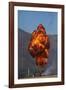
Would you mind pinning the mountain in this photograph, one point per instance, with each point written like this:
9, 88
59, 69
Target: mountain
26, 64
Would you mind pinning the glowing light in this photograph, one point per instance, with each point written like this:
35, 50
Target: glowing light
39, 45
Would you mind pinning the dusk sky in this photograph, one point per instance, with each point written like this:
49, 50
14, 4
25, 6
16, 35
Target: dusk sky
29, 20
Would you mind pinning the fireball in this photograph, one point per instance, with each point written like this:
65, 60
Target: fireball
39, 45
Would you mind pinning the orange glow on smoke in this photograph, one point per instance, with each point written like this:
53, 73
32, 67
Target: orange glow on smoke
39, 46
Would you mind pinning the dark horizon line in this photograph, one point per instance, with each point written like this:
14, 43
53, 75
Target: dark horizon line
31, 32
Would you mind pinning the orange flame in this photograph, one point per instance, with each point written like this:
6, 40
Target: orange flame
39, 46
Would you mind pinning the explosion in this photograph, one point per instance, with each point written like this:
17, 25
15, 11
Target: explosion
39, 45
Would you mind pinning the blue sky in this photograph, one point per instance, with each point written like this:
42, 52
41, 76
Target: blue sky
29, 20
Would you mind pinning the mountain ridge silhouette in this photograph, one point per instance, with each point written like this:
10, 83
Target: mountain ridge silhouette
26, 64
